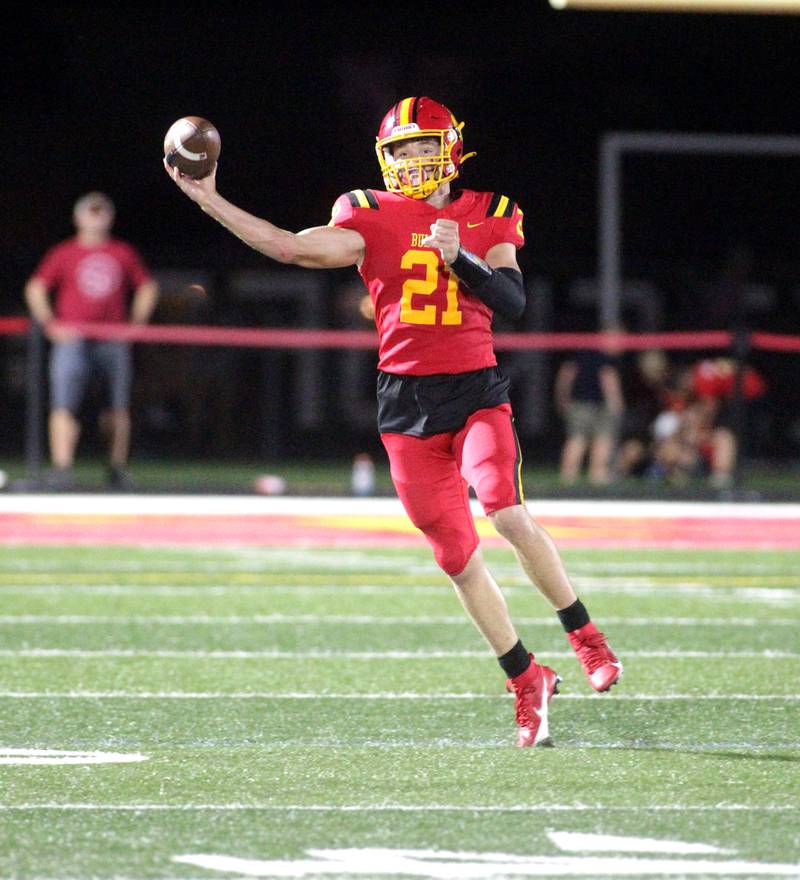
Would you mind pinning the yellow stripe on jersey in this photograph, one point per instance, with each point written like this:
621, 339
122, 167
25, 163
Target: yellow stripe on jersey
518, 464
360, 198
501, 206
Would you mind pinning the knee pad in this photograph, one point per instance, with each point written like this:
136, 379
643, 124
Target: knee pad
452, 545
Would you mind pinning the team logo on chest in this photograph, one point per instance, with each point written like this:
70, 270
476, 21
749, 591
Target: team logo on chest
98, 275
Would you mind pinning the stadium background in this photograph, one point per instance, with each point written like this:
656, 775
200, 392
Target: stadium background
297, 98
227, 685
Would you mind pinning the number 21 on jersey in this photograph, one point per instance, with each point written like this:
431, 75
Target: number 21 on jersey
411, 312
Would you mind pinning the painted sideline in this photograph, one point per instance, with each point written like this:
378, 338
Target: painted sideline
249, 521
247, 505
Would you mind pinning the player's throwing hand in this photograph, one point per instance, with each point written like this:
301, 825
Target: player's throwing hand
444, 235
197, 190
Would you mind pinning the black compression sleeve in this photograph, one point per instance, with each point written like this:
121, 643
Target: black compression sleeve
501, 289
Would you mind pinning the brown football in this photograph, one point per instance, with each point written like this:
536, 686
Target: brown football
192, 145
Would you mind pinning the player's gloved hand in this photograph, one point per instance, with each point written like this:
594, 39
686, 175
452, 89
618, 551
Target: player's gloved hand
444, 235
198, 190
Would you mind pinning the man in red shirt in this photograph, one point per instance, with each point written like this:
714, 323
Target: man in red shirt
438, 263
91, 276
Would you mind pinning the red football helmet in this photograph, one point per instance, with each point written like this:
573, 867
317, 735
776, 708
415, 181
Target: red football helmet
414, 119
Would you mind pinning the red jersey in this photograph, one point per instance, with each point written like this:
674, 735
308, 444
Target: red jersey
716, 378
92, 282
428, 323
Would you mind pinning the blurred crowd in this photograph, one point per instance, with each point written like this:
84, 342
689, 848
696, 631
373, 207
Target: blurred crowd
663, 421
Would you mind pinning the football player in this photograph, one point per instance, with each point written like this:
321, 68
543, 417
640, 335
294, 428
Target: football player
438, 262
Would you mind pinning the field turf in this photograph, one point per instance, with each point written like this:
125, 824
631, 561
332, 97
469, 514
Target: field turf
332, 712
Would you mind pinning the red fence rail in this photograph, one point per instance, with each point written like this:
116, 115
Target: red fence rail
738, 344
255, 337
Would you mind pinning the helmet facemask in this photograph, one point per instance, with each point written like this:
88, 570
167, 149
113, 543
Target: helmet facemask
418, 176
417, 119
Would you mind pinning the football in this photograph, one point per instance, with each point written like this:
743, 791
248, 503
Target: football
192, 145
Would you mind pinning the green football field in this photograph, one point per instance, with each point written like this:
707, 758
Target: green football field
176, 713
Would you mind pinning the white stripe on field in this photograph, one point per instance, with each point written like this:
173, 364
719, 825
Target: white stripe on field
389, 695
370, 655
409, 808
370, 620
159, 506
692, 589
60, 756
258, 560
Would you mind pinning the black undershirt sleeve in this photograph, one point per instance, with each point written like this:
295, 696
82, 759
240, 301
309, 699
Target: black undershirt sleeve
501, 289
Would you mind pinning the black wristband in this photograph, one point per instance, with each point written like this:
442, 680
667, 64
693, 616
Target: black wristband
501, 289
471, 269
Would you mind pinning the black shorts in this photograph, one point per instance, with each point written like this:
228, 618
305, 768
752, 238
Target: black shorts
424, 405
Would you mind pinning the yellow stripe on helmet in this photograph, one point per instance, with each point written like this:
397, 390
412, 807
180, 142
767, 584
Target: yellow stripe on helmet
404, 116
362, 199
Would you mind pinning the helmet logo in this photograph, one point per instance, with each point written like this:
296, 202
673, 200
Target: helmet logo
403, 129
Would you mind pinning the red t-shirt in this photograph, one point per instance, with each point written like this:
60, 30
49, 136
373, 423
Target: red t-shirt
716, 379
92, 282
427, 322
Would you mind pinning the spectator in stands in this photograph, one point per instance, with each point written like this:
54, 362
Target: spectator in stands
695, 434
647, 394
714, 388
674, 453
90, 276
588, 396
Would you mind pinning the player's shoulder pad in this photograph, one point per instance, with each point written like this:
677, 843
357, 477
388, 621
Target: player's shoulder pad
501, 206
363, 198
347, 209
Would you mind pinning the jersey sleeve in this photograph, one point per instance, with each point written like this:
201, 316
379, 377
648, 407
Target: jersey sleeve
342, 213
355, 209
51, 267
507, 220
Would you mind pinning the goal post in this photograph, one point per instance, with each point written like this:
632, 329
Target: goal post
614, 147
752, 7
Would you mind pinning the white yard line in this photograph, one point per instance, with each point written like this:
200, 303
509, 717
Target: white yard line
402, 808
389, 696
249, 505
407, 808
368, 619
239, 561
59, 757
642, 587
122, 653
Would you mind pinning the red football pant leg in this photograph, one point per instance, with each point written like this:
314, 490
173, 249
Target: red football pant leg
432, 476
489, 457
435, 495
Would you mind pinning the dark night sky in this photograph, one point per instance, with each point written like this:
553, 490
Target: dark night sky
87, 93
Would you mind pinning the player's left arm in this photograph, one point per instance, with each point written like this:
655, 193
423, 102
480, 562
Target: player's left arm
496, 280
